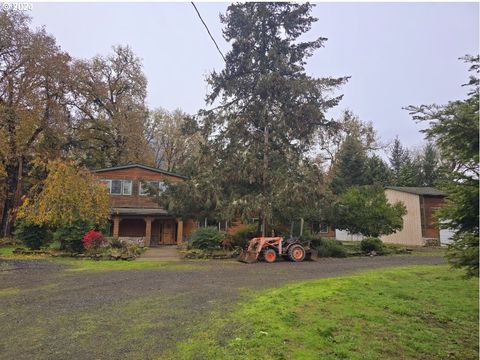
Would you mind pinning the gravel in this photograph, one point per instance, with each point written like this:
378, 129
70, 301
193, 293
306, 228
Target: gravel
45, 297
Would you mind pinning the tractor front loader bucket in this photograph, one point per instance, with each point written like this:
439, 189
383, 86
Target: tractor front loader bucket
248, 257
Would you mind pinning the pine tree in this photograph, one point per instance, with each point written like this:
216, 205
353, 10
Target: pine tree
269, 107
377, 171
397, 159
454, 127
351, 169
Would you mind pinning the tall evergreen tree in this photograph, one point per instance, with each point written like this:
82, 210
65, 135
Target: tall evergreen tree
377, 171
406, 171
351, 168
397, 158
430, 165
269, 107
454, 127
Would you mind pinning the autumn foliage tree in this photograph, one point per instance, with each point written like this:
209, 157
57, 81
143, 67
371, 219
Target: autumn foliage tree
68, 194
33, 112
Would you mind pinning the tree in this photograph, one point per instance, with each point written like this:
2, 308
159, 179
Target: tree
33, 111
108, 98
269, 107
431, 166
377, 171
330, 139
365, 210
406, 169
454, 128
69, 194
173, 137
351, 166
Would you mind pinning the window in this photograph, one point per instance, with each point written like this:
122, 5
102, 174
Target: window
160, 186
127, 187
118, 187
318, 227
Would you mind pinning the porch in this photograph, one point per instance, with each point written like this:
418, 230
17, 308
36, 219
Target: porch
153, 227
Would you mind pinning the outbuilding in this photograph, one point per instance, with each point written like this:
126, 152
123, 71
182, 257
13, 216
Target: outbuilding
419, 225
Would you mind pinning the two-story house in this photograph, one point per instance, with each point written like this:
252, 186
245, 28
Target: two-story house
133, 213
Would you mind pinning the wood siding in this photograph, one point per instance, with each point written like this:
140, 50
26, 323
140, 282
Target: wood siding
136, 175
411, 234
428, 206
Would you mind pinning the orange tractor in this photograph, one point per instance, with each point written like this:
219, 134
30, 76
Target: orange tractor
270, 248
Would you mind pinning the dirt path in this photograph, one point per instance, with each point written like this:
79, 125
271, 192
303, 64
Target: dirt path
163, 253
48, 312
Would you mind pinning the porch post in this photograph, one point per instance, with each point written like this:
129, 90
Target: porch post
148, 230
179, 231
116, 225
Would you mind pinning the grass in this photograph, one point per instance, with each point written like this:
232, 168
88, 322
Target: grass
416, 312
108, 265
76, 265
353, 248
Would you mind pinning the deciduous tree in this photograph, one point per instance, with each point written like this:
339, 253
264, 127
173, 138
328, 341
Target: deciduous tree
365, 210
69, 194
33, 112
108, 98
173, 137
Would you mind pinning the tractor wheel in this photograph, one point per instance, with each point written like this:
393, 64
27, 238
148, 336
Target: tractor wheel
296, 253
269, 255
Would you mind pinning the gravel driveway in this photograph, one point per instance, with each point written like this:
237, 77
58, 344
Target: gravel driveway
48, 312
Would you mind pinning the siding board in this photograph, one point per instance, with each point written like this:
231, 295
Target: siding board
411, 234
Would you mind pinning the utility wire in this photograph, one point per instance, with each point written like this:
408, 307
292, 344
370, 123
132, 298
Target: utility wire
209, 33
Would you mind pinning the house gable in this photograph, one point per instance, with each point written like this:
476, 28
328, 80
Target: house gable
136, 173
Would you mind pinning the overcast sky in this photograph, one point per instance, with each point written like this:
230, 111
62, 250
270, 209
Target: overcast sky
397, 53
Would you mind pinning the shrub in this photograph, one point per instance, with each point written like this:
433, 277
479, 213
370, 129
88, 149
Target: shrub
55, 246
116, 243
93, 240
32, 235
330, 248
370, 244
206, 238
243, 235
325, 247
70, 236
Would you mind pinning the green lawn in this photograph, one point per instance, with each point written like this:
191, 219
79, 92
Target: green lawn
416, 312
76, 264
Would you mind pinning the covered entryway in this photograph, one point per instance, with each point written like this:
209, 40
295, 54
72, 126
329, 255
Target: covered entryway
164, 232
153, 226
131, 228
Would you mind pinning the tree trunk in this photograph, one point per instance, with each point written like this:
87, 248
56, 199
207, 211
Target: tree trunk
13, 193
265, 179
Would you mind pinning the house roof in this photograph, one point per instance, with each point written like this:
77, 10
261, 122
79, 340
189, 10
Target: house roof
145, 167
425, 190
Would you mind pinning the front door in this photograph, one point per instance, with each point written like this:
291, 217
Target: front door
168, 232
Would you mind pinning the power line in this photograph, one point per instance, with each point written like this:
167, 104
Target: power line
209, 33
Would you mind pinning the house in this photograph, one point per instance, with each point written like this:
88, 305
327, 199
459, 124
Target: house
134, 215
419, 226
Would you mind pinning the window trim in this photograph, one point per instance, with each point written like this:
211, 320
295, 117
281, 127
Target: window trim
123, 187
160, 183
122, 181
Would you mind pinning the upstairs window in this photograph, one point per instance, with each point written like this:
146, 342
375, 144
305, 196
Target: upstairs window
159, 186
118, 187
127, 187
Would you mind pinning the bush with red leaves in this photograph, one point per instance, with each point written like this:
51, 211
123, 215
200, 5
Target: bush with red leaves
93, 239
